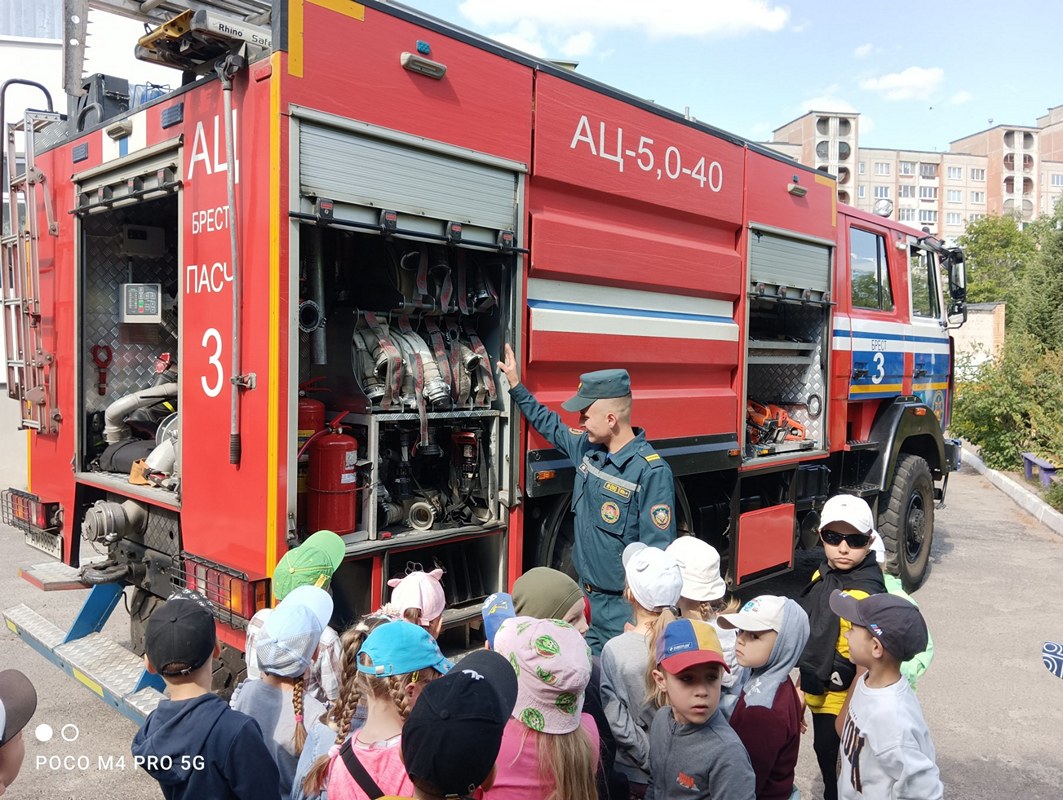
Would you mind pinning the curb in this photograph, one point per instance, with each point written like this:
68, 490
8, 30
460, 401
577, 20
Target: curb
1028, 501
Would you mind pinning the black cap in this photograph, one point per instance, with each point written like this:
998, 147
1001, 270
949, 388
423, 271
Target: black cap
892, 620
452, 736
18, 701
180, 632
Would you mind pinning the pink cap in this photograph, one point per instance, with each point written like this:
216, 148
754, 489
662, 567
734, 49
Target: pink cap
420, 590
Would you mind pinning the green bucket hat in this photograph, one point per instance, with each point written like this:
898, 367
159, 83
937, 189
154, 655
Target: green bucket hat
310, 564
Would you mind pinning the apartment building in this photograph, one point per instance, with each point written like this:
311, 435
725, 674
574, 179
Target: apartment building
1006, 169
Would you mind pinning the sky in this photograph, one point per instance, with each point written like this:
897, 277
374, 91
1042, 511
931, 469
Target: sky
920, 74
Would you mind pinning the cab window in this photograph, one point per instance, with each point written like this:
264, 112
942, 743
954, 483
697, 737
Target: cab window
870, 270
924, 276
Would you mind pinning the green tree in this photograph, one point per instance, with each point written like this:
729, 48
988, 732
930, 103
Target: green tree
998, 252
1038, 310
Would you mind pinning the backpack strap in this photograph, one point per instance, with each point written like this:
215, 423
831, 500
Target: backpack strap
358, 771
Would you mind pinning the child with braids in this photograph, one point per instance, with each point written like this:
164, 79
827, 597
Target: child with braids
345, 716
396, 660
278, 699
629, 694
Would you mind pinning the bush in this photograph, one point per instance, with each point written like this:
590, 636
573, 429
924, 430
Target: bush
1054, 495
1014, 405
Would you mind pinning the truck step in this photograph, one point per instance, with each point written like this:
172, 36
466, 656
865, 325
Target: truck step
860, 489
109, 670
52, 576
858, 444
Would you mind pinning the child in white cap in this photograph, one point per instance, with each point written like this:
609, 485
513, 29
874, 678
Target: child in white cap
772, 632
704, 595
846, 529
549, 748
629, 694
278, 700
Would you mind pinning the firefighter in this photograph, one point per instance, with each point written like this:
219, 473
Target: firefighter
622, 492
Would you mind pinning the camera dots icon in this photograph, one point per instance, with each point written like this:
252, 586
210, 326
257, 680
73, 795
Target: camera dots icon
68, 732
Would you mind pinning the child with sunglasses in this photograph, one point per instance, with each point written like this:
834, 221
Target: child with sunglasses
846, 529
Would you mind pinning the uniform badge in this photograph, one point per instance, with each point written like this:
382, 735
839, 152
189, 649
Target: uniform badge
661, 514
620, 490
576, 431
611, 512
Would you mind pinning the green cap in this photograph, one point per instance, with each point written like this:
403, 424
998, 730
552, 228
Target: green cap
598, 386
310, 564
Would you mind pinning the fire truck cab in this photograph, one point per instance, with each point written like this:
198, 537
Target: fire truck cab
271, 301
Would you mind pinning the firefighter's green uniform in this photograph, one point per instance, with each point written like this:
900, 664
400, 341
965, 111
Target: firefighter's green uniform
617, 498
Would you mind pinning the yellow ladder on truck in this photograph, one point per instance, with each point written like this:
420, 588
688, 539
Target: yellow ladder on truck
30, 367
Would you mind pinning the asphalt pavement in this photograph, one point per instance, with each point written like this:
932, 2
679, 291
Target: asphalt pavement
992, 598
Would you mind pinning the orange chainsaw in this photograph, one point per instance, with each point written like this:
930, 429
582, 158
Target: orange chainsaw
768, 424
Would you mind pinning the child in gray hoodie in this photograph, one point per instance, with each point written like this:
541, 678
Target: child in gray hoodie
772, 632
694, 754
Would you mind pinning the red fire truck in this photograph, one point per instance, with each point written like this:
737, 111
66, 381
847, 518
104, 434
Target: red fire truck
270, 302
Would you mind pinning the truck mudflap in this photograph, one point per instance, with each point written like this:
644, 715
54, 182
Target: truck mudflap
113, 673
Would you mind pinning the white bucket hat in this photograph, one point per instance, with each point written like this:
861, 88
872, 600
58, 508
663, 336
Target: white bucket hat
699, 564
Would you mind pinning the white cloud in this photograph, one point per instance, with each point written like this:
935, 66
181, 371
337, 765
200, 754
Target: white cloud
914, 83
961, 97
526, 37
827, 101
864, 50
684, 18
578, 45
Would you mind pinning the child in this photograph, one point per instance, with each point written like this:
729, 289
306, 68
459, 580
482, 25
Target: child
914, 668
344, 717
179, 643
704, 593
846, 529
549, 749
694, 753
450, 741
18, 701
310, 564
629, 695
419, 598
396, 661
772, 632
278, 700
887, 751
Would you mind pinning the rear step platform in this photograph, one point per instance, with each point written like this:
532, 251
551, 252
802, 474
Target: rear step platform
109, 670
53, 576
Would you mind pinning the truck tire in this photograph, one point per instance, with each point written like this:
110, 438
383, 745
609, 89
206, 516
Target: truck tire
907, 521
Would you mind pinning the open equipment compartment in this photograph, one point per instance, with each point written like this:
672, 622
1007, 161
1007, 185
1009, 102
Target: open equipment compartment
788, 318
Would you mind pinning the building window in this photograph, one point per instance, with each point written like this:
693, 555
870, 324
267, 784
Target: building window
953, 218
882, 192
977, 174
928, 193
882, 168
906, 168
954, 196
978, 197
924, 276
1057, 179
906, 190
928, 217
974, 217
870, 270
928, 170
862, 168
955, 173
906, 215
860, 193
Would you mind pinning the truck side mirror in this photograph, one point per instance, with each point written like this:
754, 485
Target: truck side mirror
957, 271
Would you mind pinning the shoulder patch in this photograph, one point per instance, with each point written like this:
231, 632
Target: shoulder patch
575, 431
661, 515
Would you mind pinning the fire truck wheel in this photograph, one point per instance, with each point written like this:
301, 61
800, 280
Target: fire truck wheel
141, 606
229, 670
907, 522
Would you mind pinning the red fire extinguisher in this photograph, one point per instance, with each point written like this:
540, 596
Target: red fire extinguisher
311, 420
332, 480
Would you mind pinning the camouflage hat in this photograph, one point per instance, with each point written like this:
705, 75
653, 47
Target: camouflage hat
598, 386
311, 563
553, 666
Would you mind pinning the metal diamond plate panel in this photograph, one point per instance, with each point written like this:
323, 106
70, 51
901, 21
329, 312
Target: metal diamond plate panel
53, 573
105, 661
145, 700
133, 347
35, 626
163, 532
